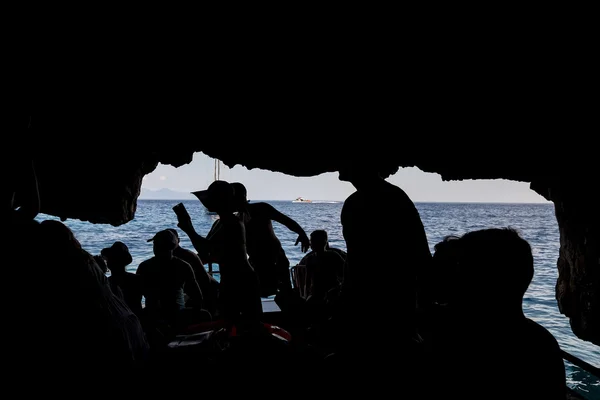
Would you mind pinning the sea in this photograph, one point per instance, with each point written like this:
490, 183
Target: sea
536, 223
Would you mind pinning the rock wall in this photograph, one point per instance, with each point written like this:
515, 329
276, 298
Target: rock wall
578, 285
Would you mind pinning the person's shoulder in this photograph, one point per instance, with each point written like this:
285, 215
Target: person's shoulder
311, 260
303, 260
232, 222
146, 263
259, 208
540, 335
180, 262
394, 190
182, 266
338, 252
334, 255
341, 252
354, 196
187, 255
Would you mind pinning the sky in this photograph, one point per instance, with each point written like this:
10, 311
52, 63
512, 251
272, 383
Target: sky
266, 185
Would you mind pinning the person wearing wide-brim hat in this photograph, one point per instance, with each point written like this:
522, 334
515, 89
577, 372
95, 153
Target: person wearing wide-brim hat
239, 292
124, 284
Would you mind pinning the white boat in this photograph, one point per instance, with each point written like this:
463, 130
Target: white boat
301, 200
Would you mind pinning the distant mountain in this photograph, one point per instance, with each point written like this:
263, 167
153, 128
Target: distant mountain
165, 194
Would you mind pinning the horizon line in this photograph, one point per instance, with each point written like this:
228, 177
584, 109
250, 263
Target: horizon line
414, 201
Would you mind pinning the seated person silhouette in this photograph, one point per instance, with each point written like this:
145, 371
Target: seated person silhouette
208, 285
324, 275
124, 284
265, 252
165, 281
324, 269
239, 295
299, 270
504, 352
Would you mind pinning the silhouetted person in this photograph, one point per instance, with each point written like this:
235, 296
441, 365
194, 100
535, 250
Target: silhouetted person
165, 281
504, 352
239, 293
386, 241
267, 256
125, 284
300, 274
383, 232
323, 277
85, 325
208, 285
324, 270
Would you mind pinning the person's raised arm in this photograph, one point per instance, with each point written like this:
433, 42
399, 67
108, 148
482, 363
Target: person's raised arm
289, 223
184, 222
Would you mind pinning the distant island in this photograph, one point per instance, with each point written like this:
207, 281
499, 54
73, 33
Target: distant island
164, 194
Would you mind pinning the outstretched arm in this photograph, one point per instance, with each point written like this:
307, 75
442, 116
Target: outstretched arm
289, 223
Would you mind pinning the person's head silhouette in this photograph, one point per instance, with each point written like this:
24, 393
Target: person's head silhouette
117, 257
359, 172
318, 240
174, 232
240, 194
495, 268
164, 242
219, 197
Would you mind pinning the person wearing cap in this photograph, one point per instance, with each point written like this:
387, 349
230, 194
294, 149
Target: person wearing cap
239, 293
267, 256
124, 284
165, 281
208, 285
